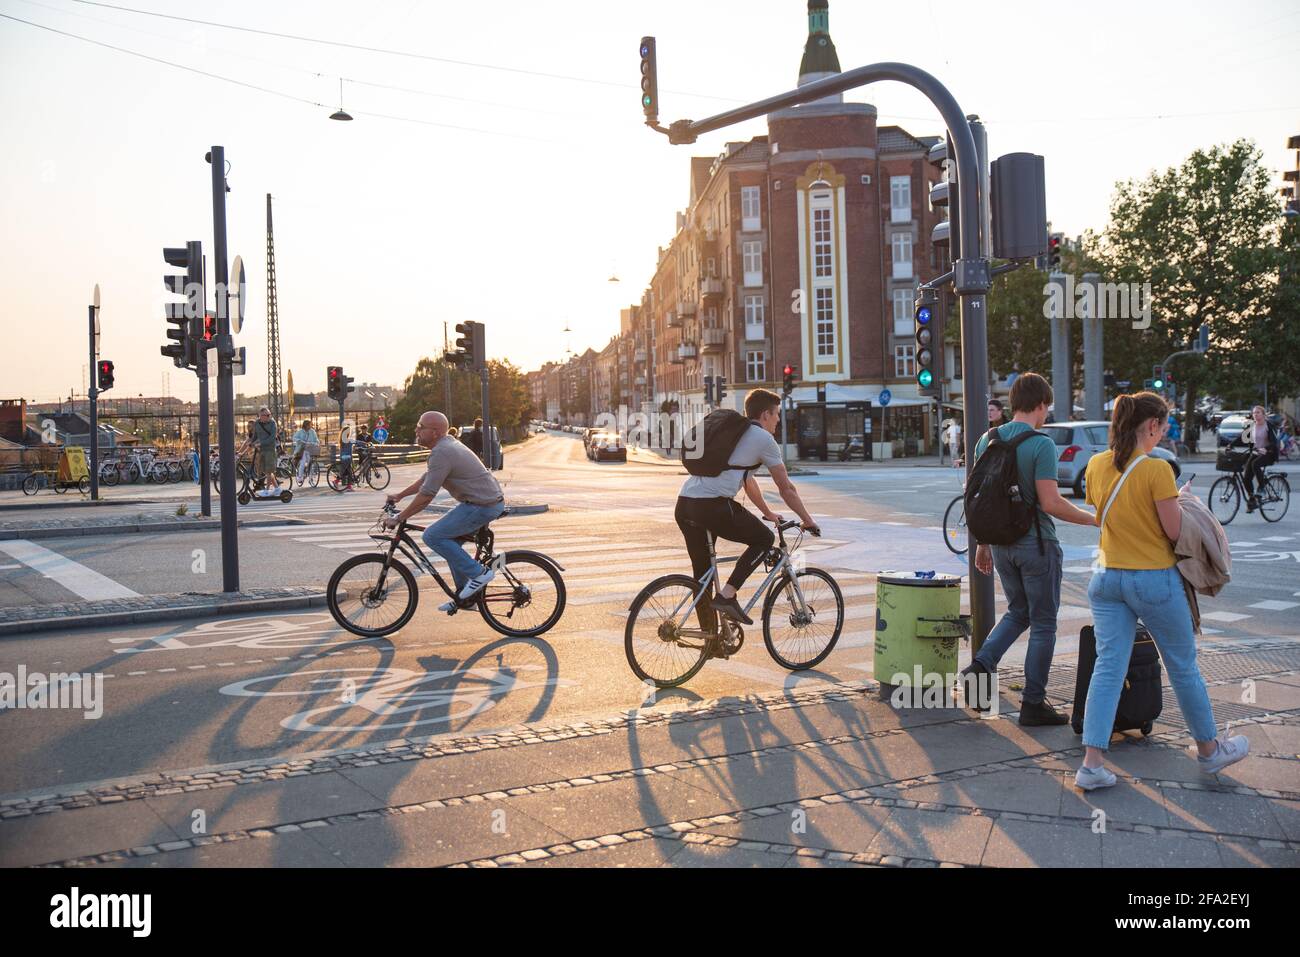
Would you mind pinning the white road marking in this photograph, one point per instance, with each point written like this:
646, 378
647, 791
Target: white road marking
85, 583
1278, 538
1227, 617
7, 567
1274, 605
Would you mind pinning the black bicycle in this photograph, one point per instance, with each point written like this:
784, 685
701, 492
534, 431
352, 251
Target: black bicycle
1227, 493
803, 615
375, 594
955, 535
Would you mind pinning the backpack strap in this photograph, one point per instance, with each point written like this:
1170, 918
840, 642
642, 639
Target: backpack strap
1118, 485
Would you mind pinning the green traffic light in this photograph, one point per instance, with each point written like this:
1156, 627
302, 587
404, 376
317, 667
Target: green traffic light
646, 101
924, 378
1158, 384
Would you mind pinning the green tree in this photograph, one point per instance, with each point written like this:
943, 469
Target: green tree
426, 389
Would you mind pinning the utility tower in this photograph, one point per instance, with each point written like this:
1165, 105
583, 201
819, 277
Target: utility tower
274, 400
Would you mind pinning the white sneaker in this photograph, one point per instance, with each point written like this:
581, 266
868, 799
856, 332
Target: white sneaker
477, 583
447, 606
1230, 751
1089, 779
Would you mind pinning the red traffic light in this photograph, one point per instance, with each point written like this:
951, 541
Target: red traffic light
105, 367
789, 370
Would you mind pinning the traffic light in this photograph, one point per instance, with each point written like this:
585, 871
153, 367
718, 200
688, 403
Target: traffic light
720, 388
1054, 242
1158, 378
787, 385
104, 375
928, 343
649, 81
471, 348
334, 374
708, 390
183, 316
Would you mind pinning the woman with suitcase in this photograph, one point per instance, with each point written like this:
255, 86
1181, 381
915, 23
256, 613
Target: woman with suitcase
1137, 506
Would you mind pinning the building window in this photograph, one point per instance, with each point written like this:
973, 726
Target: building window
824, 320
902, 244
903, 305
822, 252
749, 209
904, 362
900, 199
753, 262
754, 324
755, 366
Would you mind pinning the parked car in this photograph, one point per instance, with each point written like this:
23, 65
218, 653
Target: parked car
1217, 418
602, 445
1077, 442
1230, 428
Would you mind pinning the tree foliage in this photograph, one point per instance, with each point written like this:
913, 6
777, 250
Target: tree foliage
508, 394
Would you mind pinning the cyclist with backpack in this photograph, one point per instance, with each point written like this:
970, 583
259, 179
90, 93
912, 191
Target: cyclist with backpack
720, 453
1011, 499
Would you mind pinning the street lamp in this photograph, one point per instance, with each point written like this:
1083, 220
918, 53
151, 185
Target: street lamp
340, 113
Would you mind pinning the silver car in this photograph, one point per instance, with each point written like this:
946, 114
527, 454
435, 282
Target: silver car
1077, 442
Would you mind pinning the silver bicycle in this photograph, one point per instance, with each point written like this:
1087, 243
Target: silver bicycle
803, 615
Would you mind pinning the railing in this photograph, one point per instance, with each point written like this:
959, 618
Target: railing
710, 286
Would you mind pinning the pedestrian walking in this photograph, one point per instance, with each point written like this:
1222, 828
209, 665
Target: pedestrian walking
1029, 568
1140, 521
954, 443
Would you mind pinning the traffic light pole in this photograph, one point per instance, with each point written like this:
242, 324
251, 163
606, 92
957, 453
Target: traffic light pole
489, 457
205, 471
971, 272
225, 379
94, 411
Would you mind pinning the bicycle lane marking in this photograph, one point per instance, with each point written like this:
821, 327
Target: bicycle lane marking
85, 583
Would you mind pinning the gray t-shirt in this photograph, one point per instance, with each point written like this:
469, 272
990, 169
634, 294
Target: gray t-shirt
757, 445
454, 467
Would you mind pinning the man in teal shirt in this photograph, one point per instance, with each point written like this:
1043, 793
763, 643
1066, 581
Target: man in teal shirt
1030, 577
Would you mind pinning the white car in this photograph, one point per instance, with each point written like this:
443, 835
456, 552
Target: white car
1077, 442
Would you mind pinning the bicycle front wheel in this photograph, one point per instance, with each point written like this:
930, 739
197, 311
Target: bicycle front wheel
378, 476
1225, 499
31, 484
109, 475
313, 475
954, 527
657, 650
525, 599
369, 601
334, 476
799, 635
1274, 498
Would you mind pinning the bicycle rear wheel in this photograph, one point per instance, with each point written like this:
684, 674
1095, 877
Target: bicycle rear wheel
800, 639
655, 649
378, 476
109, 475
526, 598
31, 484
366, 600
1225, 499
954, 527
334, 476
1274, 498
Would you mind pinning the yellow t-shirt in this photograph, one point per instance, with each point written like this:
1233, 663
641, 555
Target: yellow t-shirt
1132, 536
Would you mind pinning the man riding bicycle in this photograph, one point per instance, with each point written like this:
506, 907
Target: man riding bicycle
455, 468
706, 504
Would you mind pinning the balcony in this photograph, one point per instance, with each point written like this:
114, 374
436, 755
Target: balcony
714, 340
639, 355
675, 320
639, 380
711, 286
685, 351
685, 308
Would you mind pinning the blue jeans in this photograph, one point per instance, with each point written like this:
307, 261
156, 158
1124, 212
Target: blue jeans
1119, 597
462, 520
1032, 584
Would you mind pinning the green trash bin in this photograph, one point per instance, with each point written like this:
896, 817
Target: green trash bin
918, 624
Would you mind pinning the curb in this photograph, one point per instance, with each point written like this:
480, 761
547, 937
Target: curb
84, 503
103, 619
76, 531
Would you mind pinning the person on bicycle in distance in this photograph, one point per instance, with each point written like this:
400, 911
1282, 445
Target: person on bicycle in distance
458, 470
1260, 436
707, 504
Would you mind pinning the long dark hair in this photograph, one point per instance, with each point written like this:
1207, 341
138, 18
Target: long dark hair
1130, 412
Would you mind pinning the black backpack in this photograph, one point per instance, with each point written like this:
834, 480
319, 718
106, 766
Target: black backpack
707, 448
998, 510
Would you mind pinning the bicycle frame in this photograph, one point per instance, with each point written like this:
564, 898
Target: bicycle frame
400, 540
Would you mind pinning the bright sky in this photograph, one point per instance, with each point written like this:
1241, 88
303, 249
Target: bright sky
385, 229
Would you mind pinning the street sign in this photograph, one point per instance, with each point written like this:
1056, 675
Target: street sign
1123, 383
236, 295
885, 396
380, 435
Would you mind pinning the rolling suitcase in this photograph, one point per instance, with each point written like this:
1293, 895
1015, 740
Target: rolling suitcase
1140, 701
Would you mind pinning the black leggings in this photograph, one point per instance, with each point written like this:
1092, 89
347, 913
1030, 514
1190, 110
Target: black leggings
1255, 469
697, 517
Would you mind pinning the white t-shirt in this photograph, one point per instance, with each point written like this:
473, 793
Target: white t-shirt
757, 445
954, 434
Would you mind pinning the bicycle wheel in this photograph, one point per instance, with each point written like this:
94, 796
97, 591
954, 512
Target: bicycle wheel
59, 487
954, 527
655, 649
334, 477
526, 597
31, 484
1225, 499
313, 474
366, 600
801, 639
109, 475
132, 473
83, 486
378, 476
1274, 498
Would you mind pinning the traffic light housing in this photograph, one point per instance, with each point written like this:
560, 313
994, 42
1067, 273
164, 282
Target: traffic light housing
471, 348
184, 319
787, 384
708, 390
929, 344
1054, 242
334, 376
1158, 378
104, 375
649, 81
720, 388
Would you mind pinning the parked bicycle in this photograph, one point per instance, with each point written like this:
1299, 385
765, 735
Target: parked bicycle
375, 594
361, 468
1228, 492
803, 615
954, 526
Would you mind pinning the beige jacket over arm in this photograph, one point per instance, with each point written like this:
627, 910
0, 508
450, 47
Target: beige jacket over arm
1202, 553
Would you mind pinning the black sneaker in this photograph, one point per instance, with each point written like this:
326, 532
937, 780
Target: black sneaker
976, 674
1035, 714
1252, 503
731, 608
